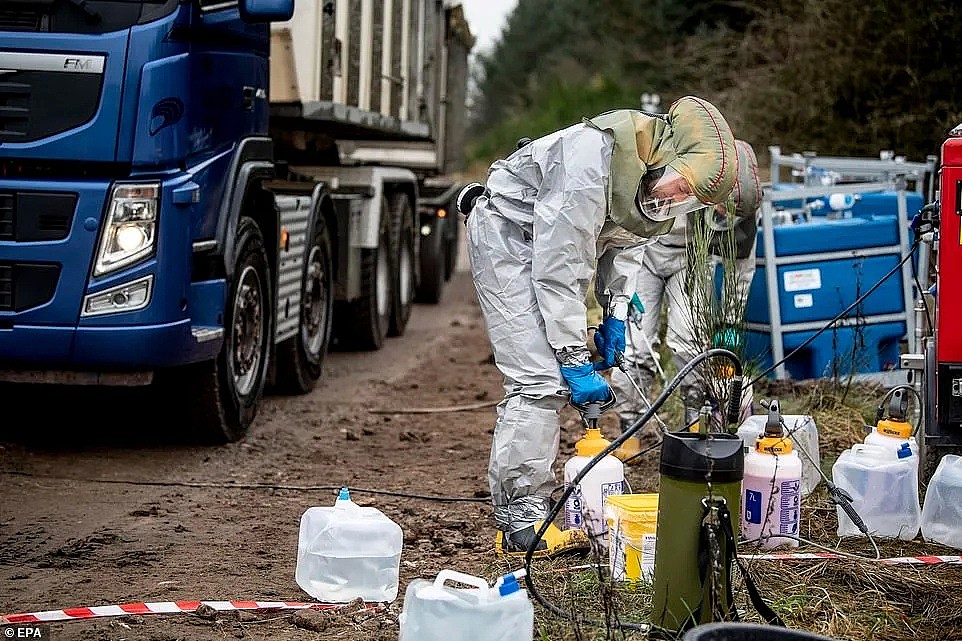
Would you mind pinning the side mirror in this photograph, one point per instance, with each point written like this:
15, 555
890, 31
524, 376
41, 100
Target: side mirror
266, 10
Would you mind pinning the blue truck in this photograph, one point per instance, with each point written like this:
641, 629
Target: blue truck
201, 195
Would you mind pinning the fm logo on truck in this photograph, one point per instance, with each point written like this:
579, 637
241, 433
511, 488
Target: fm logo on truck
78, 64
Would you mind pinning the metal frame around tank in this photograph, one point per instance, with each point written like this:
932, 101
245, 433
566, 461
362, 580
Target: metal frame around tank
882, 169
772, 262
887, 167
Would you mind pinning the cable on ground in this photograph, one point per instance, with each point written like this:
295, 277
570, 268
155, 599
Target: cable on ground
261, 486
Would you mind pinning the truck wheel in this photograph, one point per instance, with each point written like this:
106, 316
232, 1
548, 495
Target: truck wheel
223, 395
404, 274
299, 358
451, 246
432, 263
365, 321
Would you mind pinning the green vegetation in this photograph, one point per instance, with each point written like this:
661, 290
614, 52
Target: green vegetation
830, 75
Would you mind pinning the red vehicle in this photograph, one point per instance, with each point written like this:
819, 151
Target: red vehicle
942, 382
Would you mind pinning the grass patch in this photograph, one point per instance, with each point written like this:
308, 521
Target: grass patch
843, 599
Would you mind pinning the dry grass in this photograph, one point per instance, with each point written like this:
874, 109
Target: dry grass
842, 599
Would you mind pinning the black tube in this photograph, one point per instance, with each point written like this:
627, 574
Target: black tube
628, 433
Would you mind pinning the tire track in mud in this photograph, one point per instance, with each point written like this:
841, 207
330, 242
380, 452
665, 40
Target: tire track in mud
72, 543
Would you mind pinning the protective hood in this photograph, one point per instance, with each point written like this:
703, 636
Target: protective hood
748, 189
747, 197
693, 138
702, 147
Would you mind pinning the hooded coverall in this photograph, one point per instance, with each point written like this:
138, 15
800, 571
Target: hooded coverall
546, 219
662, 281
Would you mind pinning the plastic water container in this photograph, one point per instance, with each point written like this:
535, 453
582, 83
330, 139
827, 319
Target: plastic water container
585, 508
942, 511
804, 435
632, 535
347, 552
771, 493
435, 611
893, 435
884, 488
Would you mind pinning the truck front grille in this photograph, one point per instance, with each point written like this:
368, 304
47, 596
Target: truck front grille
6, 288
36, 216
6, 217
26, 285
32, 103
22, 19
14, 110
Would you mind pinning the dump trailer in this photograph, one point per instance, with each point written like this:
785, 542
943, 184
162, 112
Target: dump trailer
194, 200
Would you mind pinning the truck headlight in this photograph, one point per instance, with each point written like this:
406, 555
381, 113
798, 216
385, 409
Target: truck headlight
130, 229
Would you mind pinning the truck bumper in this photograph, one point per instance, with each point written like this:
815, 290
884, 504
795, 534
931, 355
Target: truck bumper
116, 348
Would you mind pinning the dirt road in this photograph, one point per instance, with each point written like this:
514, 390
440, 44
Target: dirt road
80, 542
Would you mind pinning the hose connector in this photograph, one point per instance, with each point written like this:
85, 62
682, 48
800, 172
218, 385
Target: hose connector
735, 401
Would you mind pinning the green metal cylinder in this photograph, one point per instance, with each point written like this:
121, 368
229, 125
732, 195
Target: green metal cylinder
686, 459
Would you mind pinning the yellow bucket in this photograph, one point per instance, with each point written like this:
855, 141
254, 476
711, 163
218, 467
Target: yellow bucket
632, 521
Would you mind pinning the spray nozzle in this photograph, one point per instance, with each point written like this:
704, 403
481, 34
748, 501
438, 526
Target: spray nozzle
344, 495
773, 426
844, 500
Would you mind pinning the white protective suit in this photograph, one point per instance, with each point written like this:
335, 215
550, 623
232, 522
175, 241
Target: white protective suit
534, 239
522, 281
662, 281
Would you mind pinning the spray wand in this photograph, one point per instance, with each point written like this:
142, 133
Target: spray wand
836, 495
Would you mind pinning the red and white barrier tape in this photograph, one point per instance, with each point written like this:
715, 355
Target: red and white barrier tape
812, 556
161, 607
899, 560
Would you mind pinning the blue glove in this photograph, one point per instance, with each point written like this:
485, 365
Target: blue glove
586, 384
610, 340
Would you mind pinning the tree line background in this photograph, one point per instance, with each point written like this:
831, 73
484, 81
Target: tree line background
834, 76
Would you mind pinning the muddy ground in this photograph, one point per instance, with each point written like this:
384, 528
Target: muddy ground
79, 542
91, 512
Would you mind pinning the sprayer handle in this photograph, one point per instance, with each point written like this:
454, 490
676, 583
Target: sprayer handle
844, 500
594, 409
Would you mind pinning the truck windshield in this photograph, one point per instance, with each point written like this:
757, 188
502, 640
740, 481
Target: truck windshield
78, 16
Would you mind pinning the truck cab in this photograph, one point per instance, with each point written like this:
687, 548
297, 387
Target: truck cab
151, 235
138, 239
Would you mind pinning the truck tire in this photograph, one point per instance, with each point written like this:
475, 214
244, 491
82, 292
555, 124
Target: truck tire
363, 323
451, 246
404, 256
300, 358
432, 263
222, 396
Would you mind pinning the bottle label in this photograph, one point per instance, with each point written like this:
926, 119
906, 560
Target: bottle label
790, 504
648, 542
574, 517
611, 489
753, 506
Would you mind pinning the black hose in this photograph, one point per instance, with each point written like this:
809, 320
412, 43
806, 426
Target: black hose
628, 433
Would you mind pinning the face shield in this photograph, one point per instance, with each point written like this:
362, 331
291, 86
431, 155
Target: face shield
665, 194
721, 217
